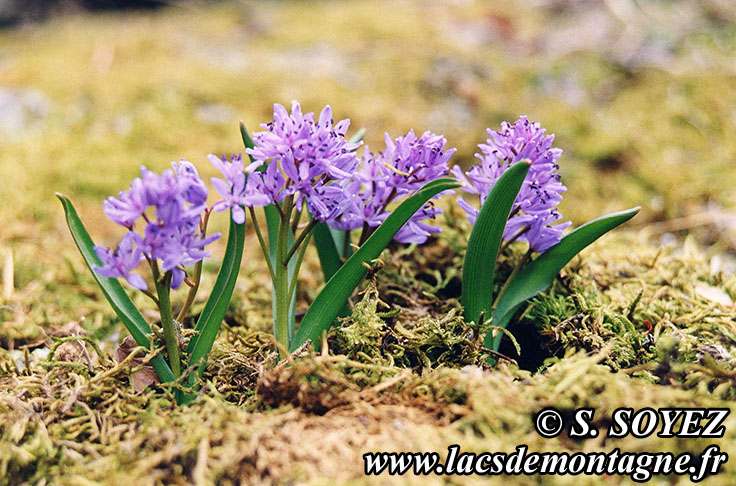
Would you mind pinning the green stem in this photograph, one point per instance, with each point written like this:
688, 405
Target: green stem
149, 294
518, 234
364, 234
519, 265
262, 242
163, 288
345, 246
508, 243
192, 292
297, 217
197, 272
299, 259
306, 232
281, 280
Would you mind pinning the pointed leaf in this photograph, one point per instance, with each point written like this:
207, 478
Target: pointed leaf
539, 274
485, 240
112, 290
327, 305
208, 324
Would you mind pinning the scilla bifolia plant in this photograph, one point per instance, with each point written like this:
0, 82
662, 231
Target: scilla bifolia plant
310, 174
519, 190
303, 172
166, 220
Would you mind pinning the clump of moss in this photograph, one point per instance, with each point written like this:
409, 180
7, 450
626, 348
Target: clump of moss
665, 313
390, 339
236, 361
319, 383
581, 321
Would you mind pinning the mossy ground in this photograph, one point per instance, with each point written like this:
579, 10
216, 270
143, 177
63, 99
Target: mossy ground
641, 100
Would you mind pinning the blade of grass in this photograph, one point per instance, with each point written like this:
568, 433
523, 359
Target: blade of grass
327, 305
539, 274
113, 291
484, 242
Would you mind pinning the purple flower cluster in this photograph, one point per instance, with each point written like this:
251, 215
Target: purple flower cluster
304, 158
170, 207
237, 190
403, 167
535, 208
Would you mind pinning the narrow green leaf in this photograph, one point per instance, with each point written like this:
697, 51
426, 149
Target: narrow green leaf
247, 139
485, 240
327, 305
344, 248
208, 324
112, 290
329, 255
539, 274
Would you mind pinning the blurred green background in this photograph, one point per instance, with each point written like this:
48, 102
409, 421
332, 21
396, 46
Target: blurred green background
640, 95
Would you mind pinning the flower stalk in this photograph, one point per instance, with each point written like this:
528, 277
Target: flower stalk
171, 339
281, 280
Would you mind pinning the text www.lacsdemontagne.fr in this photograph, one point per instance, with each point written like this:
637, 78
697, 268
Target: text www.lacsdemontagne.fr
639, 466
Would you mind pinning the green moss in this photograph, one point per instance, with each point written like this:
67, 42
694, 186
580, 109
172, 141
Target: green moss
387, 338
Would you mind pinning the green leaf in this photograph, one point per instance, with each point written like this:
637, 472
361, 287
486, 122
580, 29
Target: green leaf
539, 274
113, 291
344, 248
208, 324
485, 240
327, 305
329, 256
247, 139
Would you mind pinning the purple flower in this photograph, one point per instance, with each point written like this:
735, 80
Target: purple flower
237, 189
306, 159
535, 208
193, 187
170, 206
128, 206
122, 261
175, 246
404, 166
